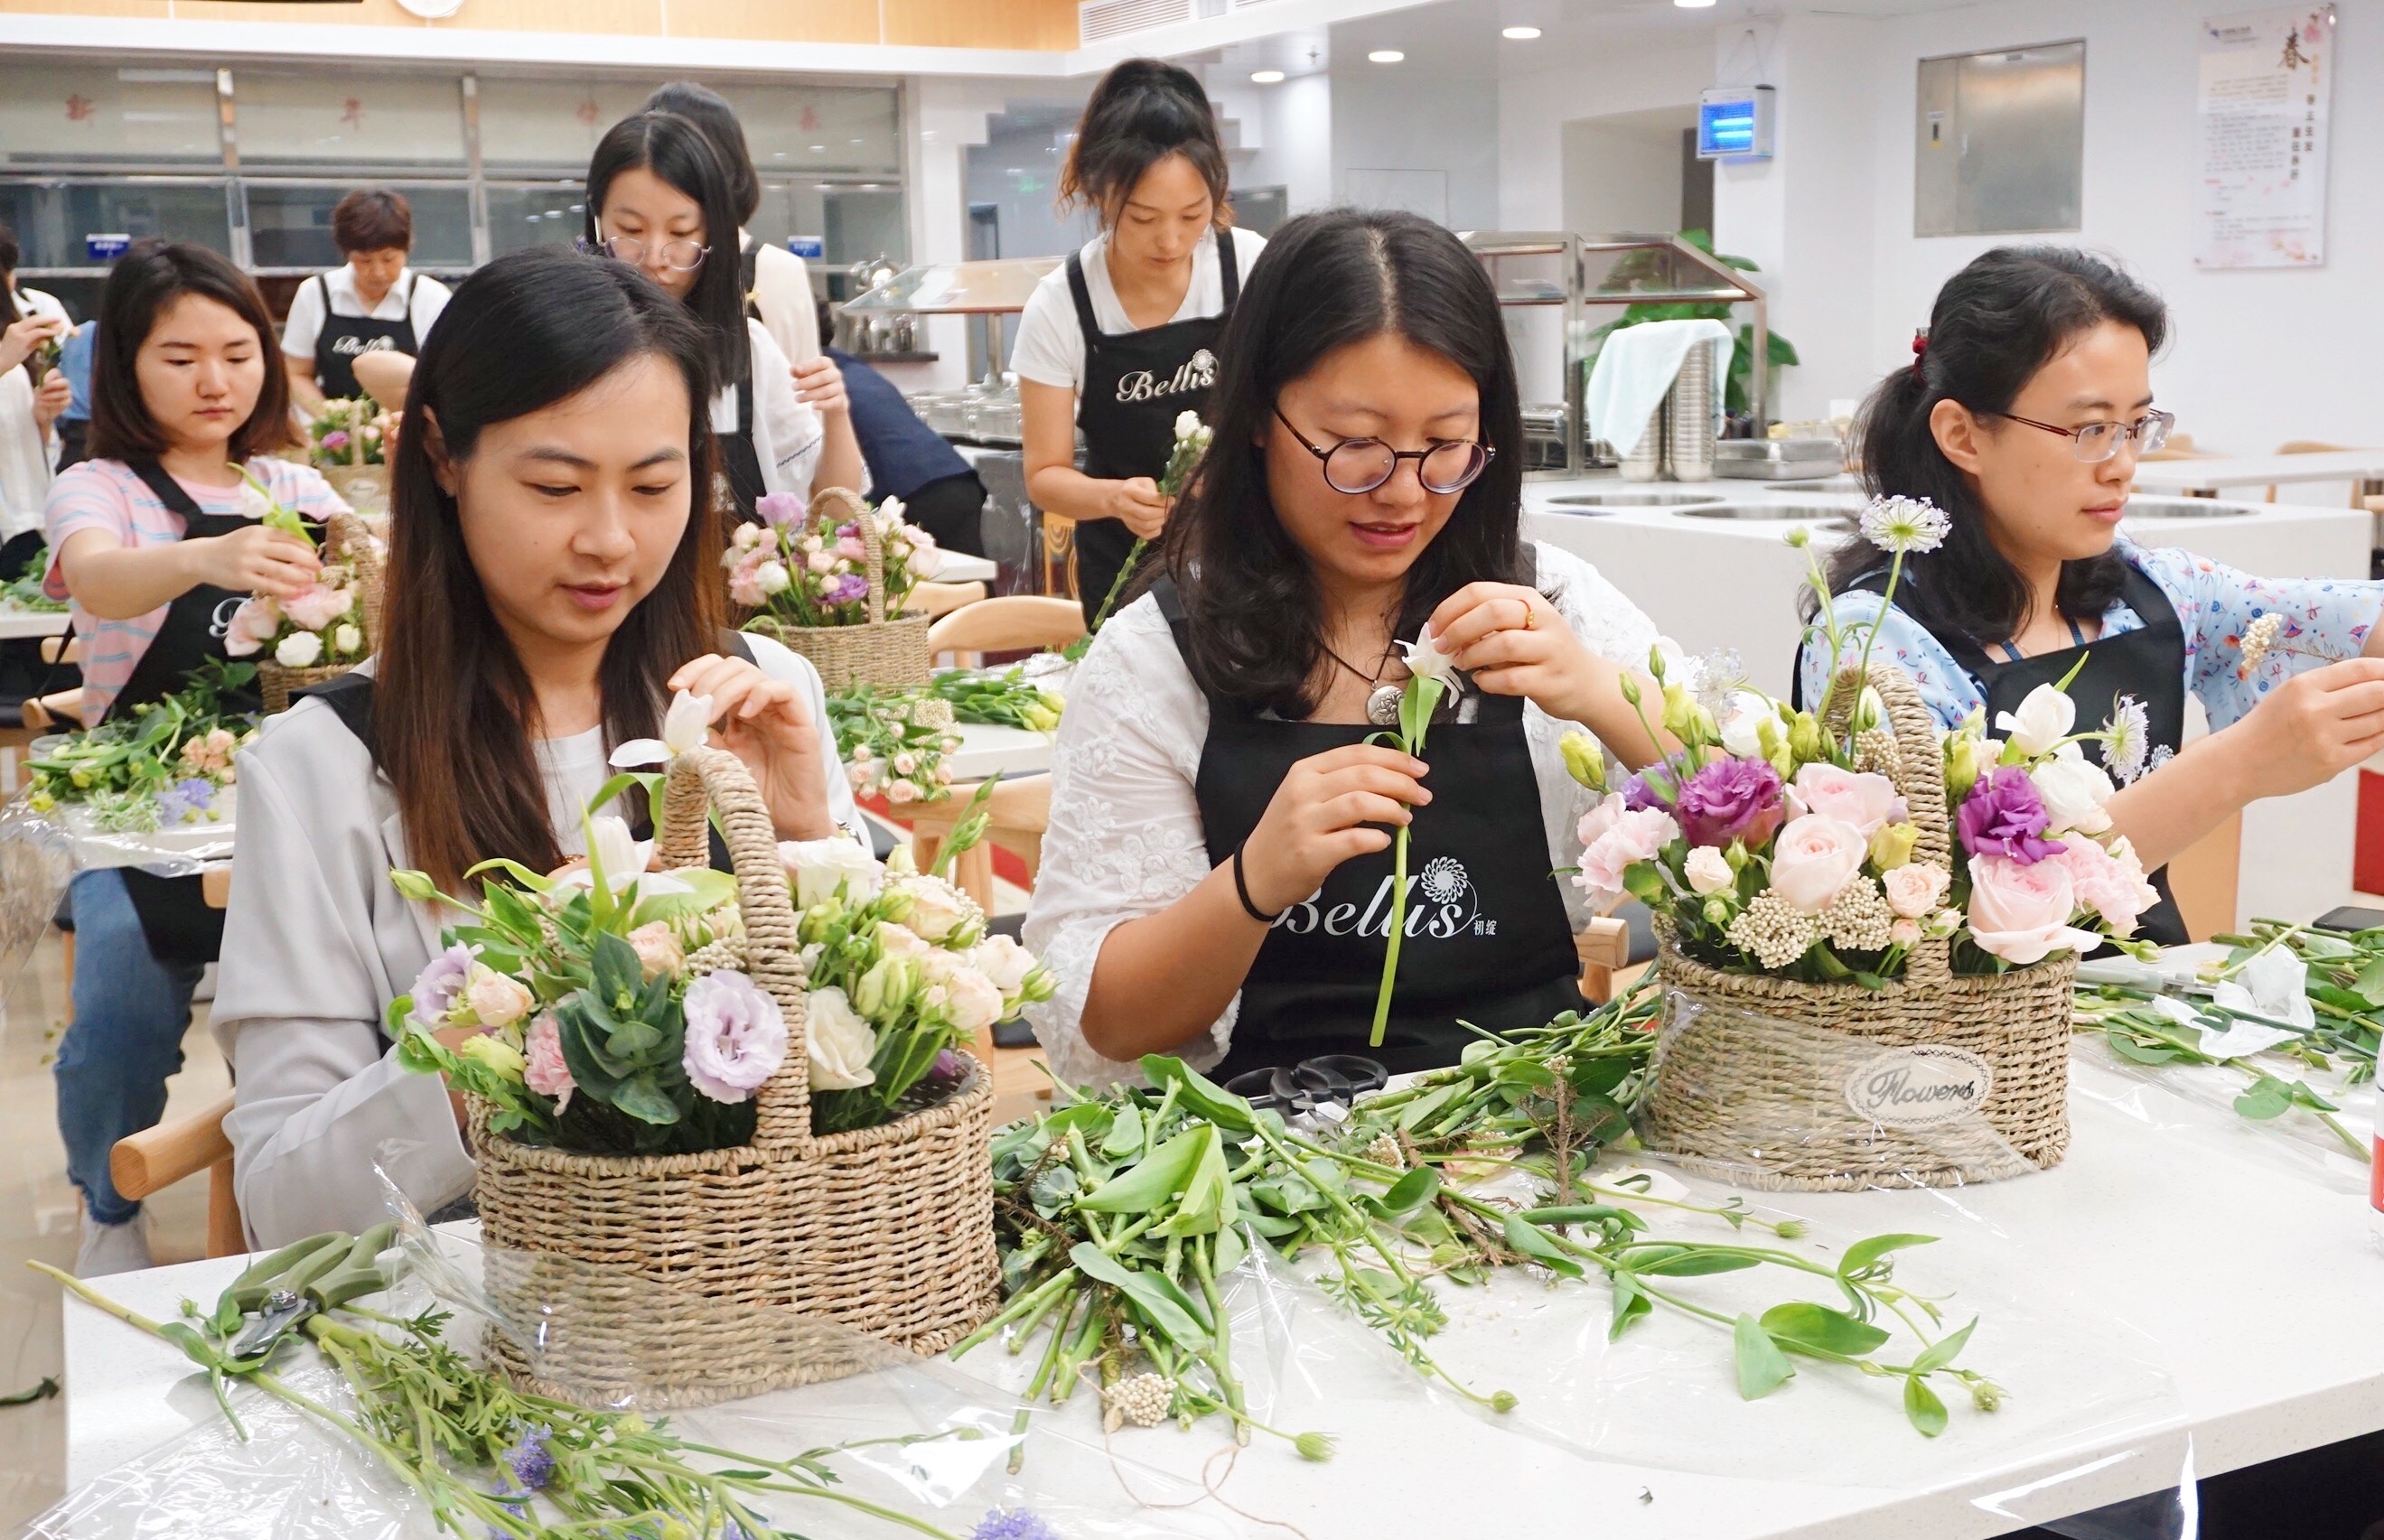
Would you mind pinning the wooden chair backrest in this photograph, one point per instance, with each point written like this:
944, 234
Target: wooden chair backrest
1013, 623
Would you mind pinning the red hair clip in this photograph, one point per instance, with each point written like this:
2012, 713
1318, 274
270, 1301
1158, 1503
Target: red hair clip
1920, 347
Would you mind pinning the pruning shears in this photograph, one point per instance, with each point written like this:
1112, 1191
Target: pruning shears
1336, 1078
282, 1288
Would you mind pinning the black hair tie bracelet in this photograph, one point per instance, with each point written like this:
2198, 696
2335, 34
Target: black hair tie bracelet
1242, 891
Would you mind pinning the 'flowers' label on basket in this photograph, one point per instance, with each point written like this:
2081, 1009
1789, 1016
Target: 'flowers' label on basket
1918, 1087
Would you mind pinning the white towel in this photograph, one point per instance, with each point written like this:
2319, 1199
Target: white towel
1635, 369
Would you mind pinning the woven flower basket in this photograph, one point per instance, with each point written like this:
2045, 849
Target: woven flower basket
883, 650
347, 539
886, 1230
1790, 1086
362, 488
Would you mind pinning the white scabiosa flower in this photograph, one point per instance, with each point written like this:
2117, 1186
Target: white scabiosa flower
1902, 526
2129, 743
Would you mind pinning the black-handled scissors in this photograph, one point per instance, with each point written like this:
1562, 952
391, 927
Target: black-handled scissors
1339, 1078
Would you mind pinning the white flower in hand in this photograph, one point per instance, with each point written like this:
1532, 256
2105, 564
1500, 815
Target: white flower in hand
2042, 722
683, 727
1426, 661
298, 650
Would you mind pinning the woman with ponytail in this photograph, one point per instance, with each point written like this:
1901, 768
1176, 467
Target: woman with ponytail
2026, 405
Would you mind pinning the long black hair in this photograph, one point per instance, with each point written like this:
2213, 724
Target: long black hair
1327, 280
1996, 322
452, 704
1142, 111
681, 154
710, 111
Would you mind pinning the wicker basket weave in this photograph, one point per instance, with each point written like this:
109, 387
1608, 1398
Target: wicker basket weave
883, 650
362, 488
887, 1230
1732, 1078
347, 540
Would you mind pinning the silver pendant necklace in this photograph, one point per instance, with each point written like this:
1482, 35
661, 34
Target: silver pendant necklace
1383, 706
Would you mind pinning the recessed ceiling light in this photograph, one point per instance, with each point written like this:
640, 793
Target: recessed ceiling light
1266, 77
1385, 55
1525, 34
1693, 5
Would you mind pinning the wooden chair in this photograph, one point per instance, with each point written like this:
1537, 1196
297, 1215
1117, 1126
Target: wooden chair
58, 713
1014, 623
941, 599
156, 1158
62, 649
1603, 947
1058, 555
1018, 814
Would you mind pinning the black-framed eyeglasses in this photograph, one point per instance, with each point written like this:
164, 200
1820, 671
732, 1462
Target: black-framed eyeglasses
679, 256
2098, 441
1355, 467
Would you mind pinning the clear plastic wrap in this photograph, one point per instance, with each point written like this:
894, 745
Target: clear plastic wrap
2196, 1103
1758, 1101
37, 861
169, 850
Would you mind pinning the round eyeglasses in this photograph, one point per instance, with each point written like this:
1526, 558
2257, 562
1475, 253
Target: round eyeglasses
2098, 441
678, 256
1356, 466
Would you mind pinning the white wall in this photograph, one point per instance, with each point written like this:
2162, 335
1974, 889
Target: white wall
1403, 119
1665, 70
1287, 132
1623, 171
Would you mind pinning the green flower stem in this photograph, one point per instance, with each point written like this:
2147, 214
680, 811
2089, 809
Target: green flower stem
1017, 1307
1086, 1345
1038, 1384
1399, 934
1870, 635
1220, 1359
1117, 584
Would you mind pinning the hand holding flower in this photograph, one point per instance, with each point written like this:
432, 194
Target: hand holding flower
1511, 640
764, 722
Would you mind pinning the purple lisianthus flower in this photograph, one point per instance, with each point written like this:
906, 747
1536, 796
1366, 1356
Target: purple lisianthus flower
736, 1035
1730, 799
2004, 815
439, 982
1638, 795
1012, 1523
336, 439
850, 589
779, 510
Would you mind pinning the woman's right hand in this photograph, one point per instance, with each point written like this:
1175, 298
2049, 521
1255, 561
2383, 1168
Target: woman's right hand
50, 399
1139, 505
1321, 816
256, 560
17, 342
2313, 727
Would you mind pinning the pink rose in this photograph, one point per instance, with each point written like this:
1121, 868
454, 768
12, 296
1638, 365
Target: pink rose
851, 550
317, 607
1612, 837
1904, 933
2111, 882
252, 626
2021, 913
1815, 856
1863, 799
546, 1072
1913, 891
745, 579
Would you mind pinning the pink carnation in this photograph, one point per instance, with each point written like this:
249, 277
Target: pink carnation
317, 607
546, 1072
745, 579
252, 626
1613, 837
2111, 882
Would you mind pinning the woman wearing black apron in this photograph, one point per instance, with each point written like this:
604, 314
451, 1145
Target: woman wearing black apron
157, 540
656, 193
1124, 337
1217, 879
374, 303
2027, 403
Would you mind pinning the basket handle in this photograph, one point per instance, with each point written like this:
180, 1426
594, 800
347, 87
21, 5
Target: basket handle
345, 535
1921, 766
872, 545
698, 781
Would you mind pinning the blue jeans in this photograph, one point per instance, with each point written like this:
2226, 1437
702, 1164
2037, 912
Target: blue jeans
124, 1043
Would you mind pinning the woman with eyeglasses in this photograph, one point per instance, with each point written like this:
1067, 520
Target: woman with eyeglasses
660, 199
1122, 338
2022, 416
1217, 878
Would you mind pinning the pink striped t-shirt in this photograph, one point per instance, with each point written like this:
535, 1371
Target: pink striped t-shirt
107, 494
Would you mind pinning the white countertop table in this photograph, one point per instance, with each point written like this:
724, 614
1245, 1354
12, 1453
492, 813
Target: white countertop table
17, 624
2209, 477
2255, 1287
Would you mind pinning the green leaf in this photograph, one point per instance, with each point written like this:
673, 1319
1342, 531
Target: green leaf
536, 882
1864, 1254
2142, 1053
1288, 1192
2369, 982
1412, 1191
1196, 1093
1921, 1405
1425, 1106
633, 1041
707, 890
1525, 1237
641, 1097
2268, 1097
617, 970
1687, 1262
1230, 1250
1762, 1367
1631, 1303
1160, 1302
1944, 1350
1159, 1178
1125, 1139
194, 1347
1207, 1205
1821, 1329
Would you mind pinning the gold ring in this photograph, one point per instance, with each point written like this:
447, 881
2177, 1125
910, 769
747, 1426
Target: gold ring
1531, 618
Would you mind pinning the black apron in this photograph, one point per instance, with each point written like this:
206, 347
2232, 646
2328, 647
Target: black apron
344, 339
738, 487
1487, 938
173, 914
2147, 663
1135, 382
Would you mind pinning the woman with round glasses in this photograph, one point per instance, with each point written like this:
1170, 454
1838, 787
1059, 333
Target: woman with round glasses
2027, 406
1216, 880
657, 196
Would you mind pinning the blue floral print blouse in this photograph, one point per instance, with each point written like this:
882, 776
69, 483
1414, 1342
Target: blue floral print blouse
2325, 619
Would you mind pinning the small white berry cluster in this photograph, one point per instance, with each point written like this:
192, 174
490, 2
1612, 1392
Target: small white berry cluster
1141, 1399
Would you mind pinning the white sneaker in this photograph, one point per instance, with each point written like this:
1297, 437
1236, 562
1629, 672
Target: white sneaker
112, 1248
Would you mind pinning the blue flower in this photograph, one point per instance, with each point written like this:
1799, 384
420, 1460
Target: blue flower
1015, 1524
186, 802
531, 1463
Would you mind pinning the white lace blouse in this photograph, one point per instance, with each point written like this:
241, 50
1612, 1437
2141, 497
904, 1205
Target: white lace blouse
1125, 837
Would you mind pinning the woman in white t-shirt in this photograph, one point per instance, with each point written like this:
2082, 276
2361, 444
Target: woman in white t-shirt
372, 303
1122, 338
659, 198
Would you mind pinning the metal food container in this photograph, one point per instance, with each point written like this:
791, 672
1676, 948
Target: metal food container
1778, 459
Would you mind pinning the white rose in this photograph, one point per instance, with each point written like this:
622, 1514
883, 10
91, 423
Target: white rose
937, 907
772, 577
1740, 729
348, 639
817, 866
2074, 791
839, 1042
2043, 720
1709, 871
974, 1003
747, 536
1004, 962
299, 649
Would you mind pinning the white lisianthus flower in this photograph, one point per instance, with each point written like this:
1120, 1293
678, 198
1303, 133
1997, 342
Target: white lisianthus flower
1709, 871
840, 1041
2044, 718
1742, 729
975, 1003
772, 577
348, 639
622, 854
685, 727
1004, 962
298, 650
2073, 790
1426, 661
818, 865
